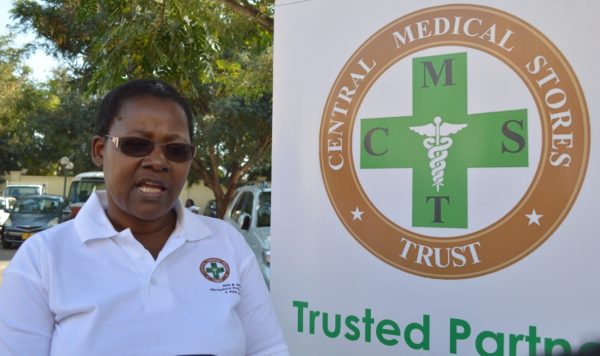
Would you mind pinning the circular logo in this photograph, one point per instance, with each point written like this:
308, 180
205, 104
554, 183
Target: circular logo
215, 269
454, 141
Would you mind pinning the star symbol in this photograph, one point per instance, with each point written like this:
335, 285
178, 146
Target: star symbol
357, 214
534, 218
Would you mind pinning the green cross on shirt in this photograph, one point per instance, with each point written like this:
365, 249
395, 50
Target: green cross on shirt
215, 270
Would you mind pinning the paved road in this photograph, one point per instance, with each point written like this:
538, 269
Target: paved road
5, 257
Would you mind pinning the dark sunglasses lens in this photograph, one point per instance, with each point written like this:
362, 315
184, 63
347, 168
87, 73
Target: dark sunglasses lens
136, 147
179, 152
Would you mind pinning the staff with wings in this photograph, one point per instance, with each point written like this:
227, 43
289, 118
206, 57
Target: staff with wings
437, 142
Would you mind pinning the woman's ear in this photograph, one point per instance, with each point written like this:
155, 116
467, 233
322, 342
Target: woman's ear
98, 144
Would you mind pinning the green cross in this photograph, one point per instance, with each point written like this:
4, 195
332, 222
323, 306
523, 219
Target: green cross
215, 270
485, 140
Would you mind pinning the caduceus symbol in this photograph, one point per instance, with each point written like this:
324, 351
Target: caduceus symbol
437, 143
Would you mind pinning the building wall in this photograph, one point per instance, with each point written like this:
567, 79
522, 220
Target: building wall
55, 185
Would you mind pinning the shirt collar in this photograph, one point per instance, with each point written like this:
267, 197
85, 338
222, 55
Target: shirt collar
92, 223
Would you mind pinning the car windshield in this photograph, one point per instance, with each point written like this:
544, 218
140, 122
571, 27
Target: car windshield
36, 205
18, 191
81, 191
263, 212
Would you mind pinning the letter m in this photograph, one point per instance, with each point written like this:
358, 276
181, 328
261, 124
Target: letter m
430, 72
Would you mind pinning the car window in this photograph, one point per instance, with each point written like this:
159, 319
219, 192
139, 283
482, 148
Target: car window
27, 206
263, 210
243, 205
7, 203
81, 191
18, 191
36, 206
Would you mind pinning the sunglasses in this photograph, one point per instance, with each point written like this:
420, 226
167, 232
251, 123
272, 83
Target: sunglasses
141, 147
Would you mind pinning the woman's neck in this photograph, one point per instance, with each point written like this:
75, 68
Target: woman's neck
151, 234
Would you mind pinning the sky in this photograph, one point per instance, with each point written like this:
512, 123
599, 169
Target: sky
40, 63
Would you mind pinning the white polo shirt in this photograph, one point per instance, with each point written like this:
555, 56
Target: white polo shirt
82, 288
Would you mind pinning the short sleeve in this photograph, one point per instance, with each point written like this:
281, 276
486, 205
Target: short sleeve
262, 329
26, 323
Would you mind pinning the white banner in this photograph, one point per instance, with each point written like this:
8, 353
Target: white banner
435, 177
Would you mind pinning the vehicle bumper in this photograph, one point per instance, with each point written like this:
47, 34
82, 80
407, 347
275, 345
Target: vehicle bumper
18, 236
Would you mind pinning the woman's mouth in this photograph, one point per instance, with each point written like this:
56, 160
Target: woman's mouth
151, 188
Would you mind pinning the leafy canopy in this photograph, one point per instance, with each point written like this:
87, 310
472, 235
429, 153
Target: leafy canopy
218, 53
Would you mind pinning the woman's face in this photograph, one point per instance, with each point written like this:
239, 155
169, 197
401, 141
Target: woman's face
143, 188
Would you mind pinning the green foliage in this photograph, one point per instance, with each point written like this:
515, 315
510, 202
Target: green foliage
236, 127
151, 39
217, 52
64, 125
39, 124
14, 85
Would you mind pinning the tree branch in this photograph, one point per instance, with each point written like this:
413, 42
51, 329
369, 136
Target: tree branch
264, 21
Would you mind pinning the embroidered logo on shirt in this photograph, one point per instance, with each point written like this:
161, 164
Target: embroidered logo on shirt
214, 269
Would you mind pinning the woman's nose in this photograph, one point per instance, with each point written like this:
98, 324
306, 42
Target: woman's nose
156, 159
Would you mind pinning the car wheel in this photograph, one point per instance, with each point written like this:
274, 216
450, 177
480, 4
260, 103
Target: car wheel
6, 245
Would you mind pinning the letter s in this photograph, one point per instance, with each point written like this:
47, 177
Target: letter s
513, 136
538, 62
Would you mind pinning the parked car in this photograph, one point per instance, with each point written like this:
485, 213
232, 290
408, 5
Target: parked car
6, 203
250, 213
210, 209
31, 214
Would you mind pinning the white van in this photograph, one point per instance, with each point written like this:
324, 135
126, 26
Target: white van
16, 190
82, 186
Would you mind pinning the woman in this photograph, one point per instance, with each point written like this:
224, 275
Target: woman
135, 273
189, 205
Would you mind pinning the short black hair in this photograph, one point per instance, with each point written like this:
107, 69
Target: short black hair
137, 88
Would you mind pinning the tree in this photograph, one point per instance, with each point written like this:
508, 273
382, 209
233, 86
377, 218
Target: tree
218, 56
64, 125
40, 123
14, 84
260, 11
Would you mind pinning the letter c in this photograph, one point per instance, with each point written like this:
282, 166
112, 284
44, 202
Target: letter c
367, 141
